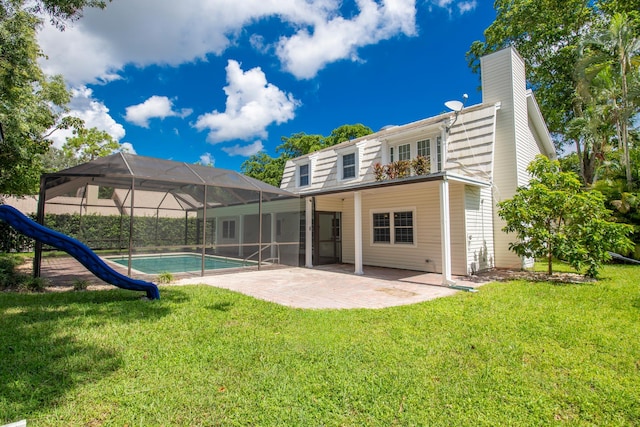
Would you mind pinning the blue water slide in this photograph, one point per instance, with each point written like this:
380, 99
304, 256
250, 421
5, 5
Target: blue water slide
76, 249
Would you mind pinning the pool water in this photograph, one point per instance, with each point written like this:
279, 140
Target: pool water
180, 263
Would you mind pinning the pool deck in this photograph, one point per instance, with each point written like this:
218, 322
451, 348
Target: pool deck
332, 286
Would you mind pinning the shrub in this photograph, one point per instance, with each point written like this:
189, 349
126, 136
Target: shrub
80, 285
165, 278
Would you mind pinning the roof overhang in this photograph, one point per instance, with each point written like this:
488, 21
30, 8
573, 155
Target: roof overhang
434, 177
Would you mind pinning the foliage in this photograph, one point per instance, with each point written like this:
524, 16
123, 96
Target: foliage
269, 169
12, 279
265, 168
551, 37
80, 285
108, 231
402, 168
554, 217
32, 105
89, 144
527, 353
608, 65
165, 278
421, 165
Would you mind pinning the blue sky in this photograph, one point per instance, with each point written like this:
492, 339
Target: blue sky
215, 81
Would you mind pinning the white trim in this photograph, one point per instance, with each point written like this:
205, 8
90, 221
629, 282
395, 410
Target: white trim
308, 232
356, 163
357, 212
445, 233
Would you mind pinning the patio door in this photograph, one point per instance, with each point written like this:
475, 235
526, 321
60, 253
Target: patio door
327, 248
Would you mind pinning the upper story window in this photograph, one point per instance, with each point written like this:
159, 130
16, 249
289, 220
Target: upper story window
349, 166
404, 152
400, 152
303, 175
424, 148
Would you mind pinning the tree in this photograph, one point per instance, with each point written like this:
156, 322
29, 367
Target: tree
611, 60
347, 133
265, 168
548, 34
32, 105
554, 217
89, 144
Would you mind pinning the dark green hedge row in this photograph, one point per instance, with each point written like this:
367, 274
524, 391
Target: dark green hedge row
111, 232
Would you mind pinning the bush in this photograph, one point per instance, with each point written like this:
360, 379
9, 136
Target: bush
165, 278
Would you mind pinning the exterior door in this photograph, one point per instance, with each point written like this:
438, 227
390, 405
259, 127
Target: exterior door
327, 248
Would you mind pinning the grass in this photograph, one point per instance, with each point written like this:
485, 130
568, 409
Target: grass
516, 353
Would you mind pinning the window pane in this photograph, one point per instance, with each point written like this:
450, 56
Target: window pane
349, 165
381, 228
403, 227
404, 152
424, 148
303, 172
439, 152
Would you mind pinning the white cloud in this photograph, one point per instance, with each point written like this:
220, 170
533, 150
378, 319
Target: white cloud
94, 113
252, 105
154, 107
464, 6
206, 159
144, 32
127, 147
305, 53
244, 150
467, 6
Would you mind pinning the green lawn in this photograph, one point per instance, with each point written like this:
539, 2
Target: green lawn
515, 353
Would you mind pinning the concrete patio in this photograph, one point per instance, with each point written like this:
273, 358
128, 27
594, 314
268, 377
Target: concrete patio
324, 287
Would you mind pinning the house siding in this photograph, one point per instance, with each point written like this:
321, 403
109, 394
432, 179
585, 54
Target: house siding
426, 253
503, 80
479, 223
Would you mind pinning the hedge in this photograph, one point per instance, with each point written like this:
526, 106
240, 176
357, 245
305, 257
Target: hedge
111, 232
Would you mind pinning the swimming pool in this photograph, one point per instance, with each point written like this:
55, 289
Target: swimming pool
177, 263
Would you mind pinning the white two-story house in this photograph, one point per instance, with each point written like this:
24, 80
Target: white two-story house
445, 219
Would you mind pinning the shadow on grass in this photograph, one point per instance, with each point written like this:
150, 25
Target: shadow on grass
44, 352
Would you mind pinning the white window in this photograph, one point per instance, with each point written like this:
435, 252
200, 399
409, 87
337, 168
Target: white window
424, 148
303, 175
393, 227
349, 166
404, 152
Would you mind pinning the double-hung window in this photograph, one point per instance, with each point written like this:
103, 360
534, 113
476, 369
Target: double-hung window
424, 148
393, 227
349, 166
303, 175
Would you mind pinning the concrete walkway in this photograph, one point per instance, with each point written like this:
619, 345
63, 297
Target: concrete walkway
334, 286
323, 287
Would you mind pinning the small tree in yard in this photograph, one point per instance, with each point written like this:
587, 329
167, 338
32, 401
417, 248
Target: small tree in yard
554, 217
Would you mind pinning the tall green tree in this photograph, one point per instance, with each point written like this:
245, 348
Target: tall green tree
88, 144
548, 34
32, 105
610, 62
554, 217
